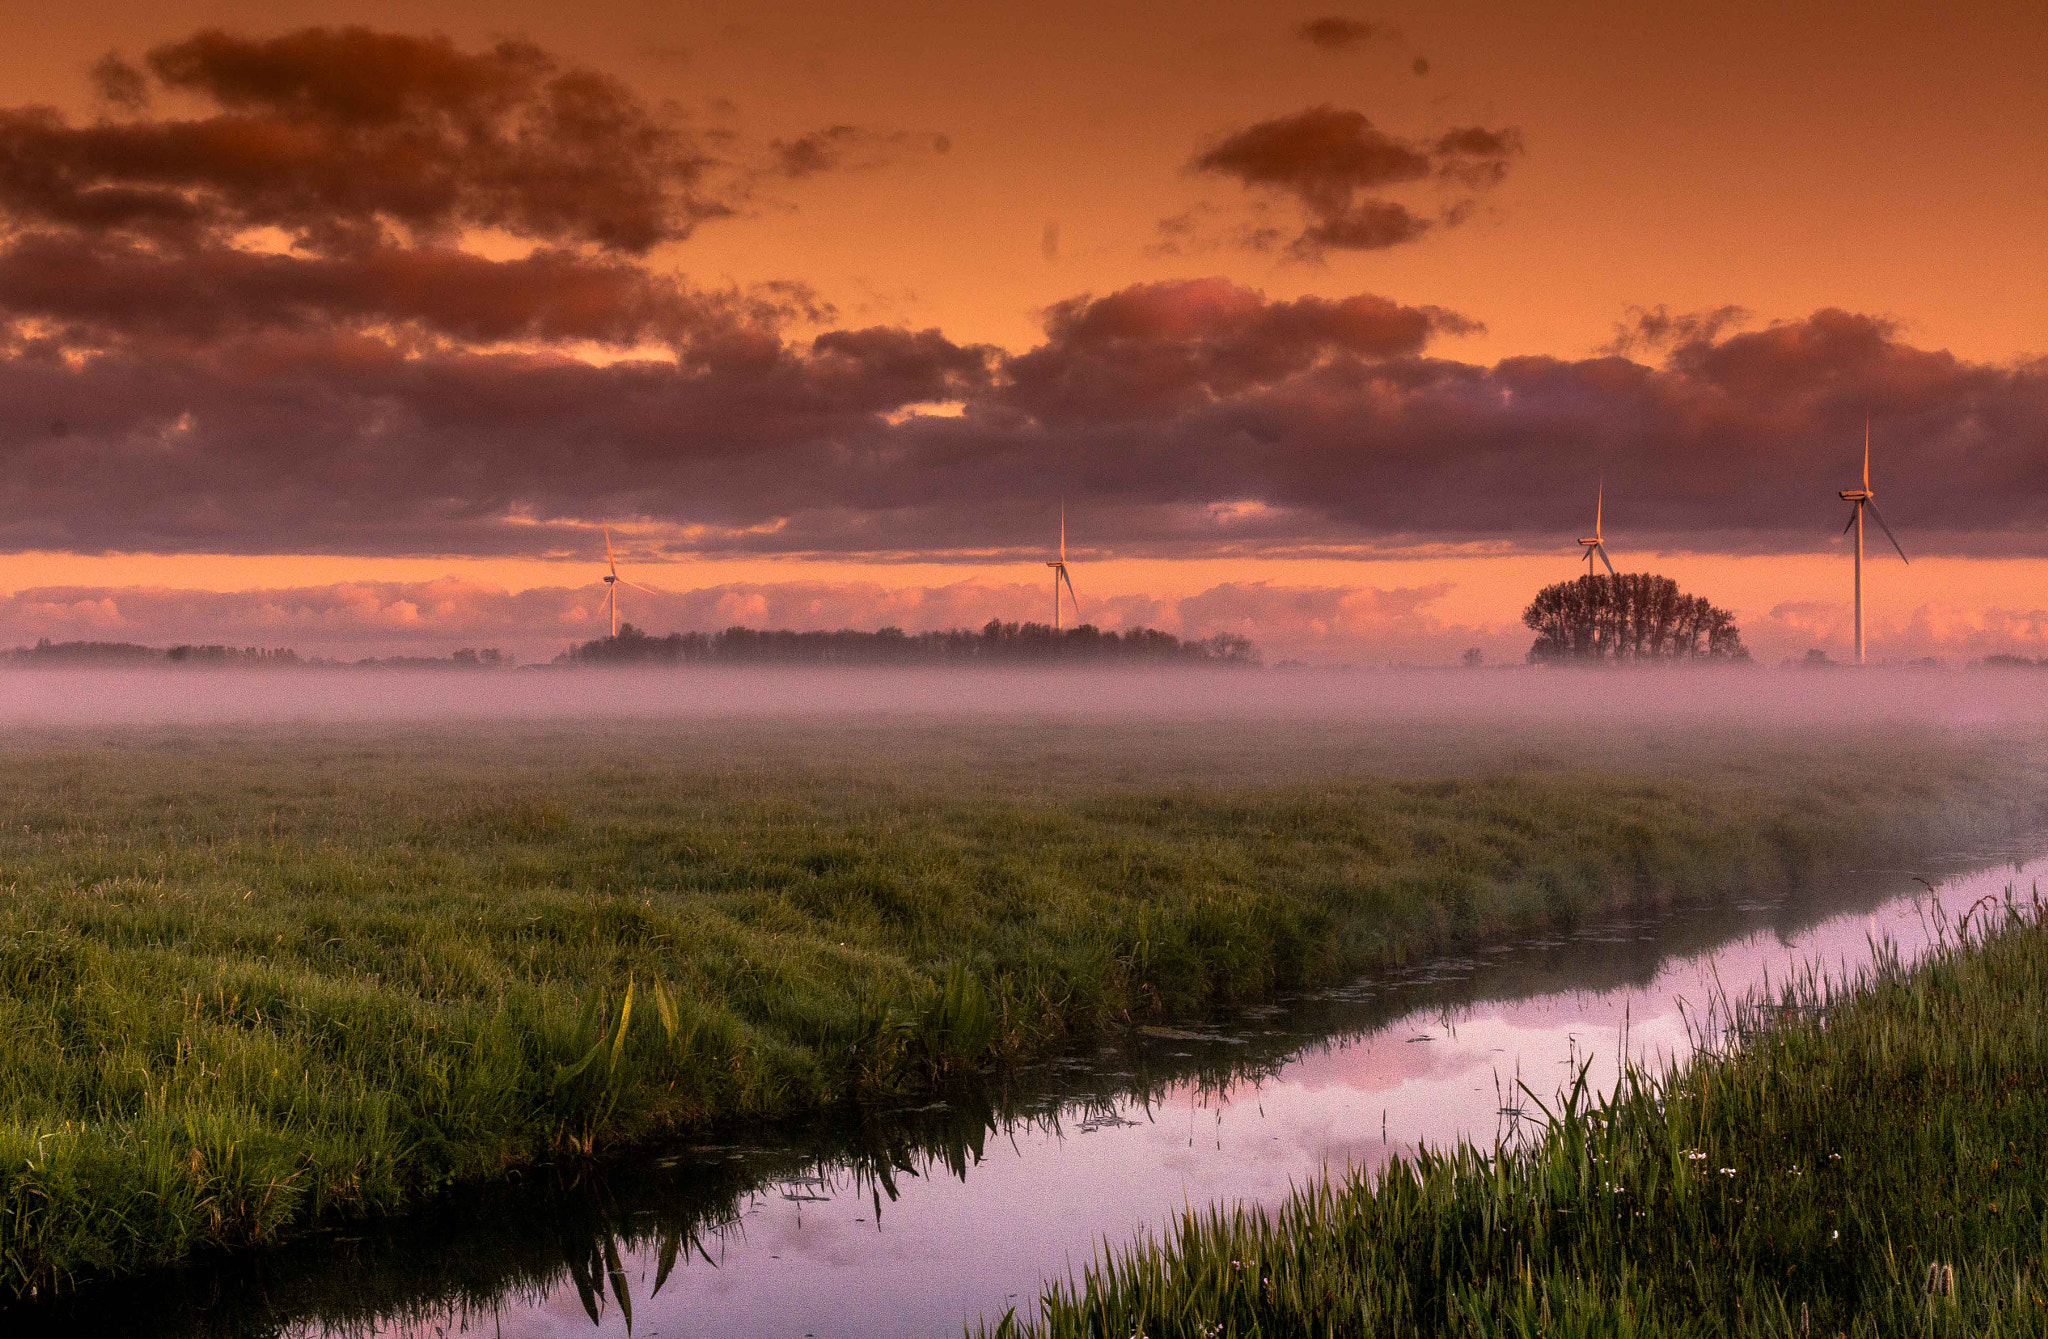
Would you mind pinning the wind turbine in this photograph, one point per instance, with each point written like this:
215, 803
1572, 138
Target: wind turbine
1863, 497
1059, 574
1593, 545
612, 582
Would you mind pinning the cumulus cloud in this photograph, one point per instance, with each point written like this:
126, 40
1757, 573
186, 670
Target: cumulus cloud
333, 179
1159, 349
1949, 632
1658, 329
1334, 163
1321, 624
341, 136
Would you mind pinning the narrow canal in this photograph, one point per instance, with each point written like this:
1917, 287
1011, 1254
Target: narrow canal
922, 1221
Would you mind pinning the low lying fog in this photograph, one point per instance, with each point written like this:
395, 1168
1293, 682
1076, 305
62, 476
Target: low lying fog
1859, 700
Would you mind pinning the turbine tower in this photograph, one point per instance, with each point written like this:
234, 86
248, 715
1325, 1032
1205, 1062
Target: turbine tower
1059, 574
1863, 497
612, 582
1593, 544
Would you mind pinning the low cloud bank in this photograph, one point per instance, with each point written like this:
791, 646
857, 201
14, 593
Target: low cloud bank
1322, 625
385, 618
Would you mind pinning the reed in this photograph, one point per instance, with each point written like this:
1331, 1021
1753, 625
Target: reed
1859, 1158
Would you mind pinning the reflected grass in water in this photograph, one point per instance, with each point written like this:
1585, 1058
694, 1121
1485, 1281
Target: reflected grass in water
494, 1253
256, 980
1861, 1158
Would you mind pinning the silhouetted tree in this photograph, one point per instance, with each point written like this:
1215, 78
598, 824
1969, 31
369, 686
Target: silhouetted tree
996, 643
1634, 616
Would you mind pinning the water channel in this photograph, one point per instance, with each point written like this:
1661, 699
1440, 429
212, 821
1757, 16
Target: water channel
919, 1222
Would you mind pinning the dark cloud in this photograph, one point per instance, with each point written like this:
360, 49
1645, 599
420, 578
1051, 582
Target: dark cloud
1157, 349
104, 291
358, 382
1334, 32
846, 146
347, 139
119, 83
342, 138
1658, 329
1475, 157
1189, 417
1334, 163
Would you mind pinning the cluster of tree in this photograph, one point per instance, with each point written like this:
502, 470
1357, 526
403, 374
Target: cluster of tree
468, 657
59, 654
47, 652
997, 643
1634, 616
232, 655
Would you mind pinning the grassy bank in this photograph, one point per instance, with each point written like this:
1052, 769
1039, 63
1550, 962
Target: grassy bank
1866, 1162
251, 979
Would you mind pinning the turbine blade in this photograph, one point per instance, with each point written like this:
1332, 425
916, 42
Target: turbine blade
1070, 590
649, 590
1878, 516
1866, 453
1850, 522
609, 559
1063, 530
1599, 505
1601, 549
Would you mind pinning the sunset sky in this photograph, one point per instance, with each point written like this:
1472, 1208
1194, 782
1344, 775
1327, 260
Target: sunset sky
345, 326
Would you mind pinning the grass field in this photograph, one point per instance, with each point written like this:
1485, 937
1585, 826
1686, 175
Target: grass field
1863, 1162
251, 978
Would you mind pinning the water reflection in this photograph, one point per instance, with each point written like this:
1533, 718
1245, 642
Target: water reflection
914, 1221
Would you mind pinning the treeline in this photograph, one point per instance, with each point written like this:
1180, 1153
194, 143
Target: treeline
996, 643
1633, 616
47, 653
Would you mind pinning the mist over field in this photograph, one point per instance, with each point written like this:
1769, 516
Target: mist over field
1602, 701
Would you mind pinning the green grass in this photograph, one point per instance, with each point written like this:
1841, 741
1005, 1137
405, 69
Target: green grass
256, 979
1869, 1160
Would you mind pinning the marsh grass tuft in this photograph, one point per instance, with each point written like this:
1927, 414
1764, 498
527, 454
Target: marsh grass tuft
1860, 1158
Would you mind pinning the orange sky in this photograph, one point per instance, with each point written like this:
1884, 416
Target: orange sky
1889, 160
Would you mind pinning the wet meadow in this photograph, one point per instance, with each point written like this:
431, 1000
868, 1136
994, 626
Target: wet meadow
260, 977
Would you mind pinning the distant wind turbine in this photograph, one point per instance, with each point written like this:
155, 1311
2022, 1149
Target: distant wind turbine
1059, 574
1863, 497
612, 582
1594, 545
